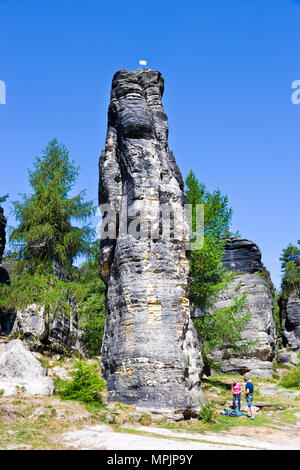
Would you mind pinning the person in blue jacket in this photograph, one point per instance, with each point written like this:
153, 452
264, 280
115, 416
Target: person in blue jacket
249, 390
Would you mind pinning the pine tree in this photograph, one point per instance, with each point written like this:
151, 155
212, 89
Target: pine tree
46, 239
290, 267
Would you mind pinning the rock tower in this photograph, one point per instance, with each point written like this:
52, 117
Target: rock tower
151, 356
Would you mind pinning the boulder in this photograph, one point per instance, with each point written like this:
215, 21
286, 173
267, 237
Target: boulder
21, 371
151, 356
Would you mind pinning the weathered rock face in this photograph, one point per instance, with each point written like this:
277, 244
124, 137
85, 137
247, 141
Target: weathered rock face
150, 349
290, 321
245, 259
19, 369
242, 256
40, 330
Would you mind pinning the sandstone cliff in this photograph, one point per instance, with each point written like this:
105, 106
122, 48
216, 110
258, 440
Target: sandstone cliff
151, 356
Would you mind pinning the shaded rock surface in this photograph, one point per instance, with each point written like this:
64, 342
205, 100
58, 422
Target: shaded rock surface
242, 255
150, 356
20, 370
245, 259
290, 321
42, 330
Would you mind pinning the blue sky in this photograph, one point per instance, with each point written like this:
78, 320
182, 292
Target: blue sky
228, 68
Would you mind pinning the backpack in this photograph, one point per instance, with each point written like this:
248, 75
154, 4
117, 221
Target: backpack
233, 413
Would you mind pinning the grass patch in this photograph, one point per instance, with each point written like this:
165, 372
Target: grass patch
292, 380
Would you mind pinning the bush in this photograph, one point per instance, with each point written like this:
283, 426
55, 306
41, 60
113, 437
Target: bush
207, 411
292, 380
86, 386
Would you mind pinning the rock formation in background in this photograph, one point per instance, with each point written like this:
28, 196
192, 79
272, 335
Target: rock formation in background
244, 257
151, 356
290, 317
41, 330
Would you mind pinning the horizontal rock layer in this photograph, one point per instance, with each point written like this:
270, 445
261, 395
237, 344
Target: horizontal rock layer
242, 255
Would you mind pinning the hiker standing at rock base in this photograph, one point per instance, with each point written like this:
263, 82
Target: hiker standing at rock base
249, 389
236, 388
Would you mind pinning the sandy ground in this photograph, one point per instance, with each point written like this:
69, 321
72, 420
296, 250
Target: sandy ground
103, 437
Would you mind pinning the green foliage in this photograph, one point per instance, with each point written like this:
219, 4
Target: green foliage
208, 277
277, 314
45, 238
289, 254
3, 198
217, 213
93, 311
292, 379
41, 289
86, 385
207, 411
86, 291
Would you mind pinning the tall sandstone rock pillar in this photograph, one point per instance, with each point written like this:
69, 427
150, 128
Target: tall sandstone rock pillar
150, 356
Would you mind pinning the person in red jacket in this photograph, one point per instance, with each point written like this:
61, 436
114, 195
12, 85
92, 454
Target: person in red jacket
236, 388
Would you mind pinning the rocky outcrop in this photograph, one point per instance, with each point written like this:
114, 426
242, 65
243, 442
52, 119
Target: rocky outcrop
242, 255
290, 320
53, 331
21, 371
151, 356
245, 260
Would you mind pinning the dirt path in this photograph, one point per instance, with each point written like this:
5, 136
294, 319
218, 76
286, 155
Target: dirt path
151, 438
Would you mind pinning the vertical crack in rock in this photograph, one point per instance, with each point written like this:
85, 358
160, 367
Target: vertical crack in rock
150, 356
